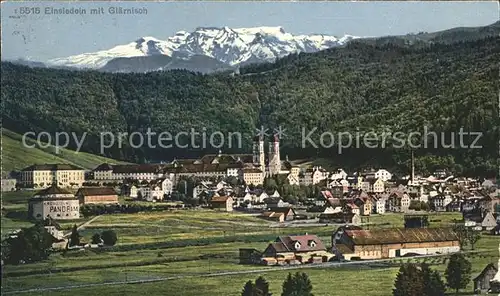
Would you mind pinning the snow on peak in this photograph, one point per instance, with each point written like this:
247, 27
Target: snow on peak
232, 46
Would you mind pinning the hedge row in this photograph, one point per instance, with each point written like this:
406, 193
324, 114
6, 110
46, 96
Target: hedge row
99, 209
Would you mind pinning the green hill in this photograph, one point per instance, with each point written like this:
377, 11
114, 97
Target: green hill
362, 87
16, 156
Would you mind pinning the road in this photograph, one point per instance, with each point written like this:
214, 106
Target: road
83, 225
216, 274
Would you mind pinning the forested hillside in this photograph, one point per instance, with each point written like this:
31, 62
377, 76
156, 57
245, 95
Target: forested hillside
360, 87
15, 156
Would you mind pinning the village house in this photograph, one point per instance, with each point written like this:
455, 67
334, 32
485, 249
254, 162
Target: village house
398, 202
439, 202
364, 202
154, 190
152, 193
489, 222
405, 202
222, 203
383, 174
482, 281
379, 202
340, 218
332, 210
312, 176
340, 186
53, 228
259, 196
97, 195
279, 214
352, 208
372, 185
338, 175
46, 175
293, 179
355, 181
390, 243
300, 248
273, 202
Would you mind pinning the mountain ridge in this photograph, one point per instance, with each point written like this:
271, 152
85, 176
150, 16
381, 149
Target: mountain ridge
230, 46
358, 87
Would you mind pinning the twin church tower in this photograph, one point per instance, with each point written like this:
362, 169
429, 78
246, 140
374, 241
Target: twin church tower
273, 161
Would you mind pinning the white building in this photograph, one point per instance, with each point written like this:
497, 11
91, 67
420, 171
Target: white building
54, 202
46, 175
313, 176
340, 174
383, 174
154, 191
379, 203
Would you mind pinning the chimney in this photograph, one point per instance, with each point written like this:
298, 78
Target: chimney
412, 168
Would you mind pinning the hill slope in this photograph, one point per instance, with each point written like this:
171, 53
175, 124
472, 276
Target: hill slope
16, 156
357, 88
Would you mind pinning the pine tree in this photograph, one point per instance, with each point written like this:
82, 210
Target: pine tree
248, 289
287, 286
433, 284
458, 272
409, 281
297, 285
262, 286
74, 239
96, 238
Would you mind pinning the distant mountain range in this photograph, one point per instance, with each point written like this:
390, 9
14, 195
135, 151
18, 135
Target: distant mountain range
209, 49
445, 81
206, 49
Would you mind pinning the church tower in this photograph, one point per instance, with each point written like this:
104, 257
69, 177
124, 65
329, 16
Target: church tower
259, 157
274, 156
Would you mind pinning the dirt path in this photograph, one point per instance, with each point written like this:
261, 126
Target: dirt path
83, 225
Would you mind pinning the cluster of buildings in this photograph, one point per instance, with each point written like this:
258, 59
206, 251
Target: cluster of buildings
352, 197
354, 243
59, 203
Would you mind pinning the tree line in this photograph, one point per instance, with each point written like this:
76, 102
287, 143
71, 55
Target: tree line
360, 88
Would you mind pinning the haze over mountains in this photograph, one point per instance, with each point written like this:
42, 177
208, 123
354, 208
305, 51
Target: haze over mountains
206, 49
209, 49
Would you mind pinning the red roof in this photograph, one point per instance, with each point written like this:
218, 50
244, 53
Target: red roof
305, 241
326, 194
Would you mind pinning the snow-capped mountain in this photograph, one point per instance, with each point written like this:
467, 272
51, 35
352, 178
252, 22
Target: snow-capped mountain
229, 46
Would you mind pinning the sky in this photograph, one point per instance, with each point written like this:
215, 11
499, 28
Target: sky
42, 36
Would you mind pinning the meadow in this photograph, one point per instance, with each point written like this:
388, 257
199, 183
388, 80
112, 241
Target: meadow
190, 247
16, 156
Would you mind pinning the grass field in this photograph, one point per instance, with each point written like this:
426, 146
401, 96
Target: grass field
374, 281
16, 156
146, 260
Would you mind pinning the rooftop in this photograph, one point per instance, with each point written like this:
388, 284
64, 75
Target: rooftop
51, 167
96, 191
410, 235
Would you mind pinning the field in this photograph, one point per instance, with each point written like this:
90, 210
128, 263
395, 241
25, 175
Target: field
188, 248
16, 156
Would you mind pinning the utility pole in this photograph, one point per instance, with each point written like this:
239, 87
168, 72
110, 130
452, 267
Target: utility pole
412, 167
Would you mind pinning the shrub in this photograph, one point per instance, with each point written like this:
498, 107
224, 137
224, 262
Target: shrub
109, 237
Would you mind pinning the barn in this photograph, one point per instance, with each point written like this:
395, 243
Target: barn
389, 243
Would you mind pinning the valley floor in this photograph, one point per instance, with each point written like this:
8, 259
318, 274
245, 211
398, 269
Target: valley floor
189, 249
